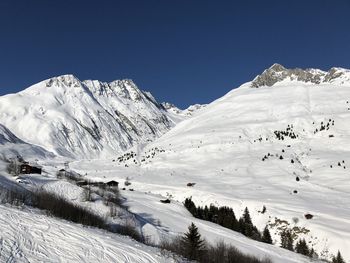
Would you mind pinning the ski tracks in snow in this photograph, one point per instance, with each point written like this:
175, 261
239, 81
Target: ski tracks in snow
26, 236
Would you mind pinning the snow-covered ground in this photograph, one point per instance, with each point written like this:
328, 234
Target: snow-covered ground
29, 236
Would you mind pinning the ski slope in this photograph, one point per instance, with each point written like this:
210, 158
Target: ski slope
29, 236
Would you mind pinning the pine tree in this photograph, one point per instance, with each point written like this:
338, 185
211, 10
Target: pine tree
206, 213
302, 248
191, 207
199, 212
287, 240
255, 233
242, 226
338, 258
266, 236
312, 253
246, 226
246, 217
192, 242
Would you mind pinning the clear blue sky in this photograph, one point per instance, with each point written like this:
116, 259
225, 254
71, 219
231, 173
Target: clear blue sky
183, 51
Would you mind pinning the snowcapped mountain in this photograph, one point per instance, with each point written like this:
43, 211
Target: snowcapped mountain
86, 119
280, 141
186, 112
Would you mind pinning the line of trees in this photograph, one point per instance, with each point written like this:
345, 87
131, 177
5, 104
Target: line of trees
301, 247
193, 247
225, 217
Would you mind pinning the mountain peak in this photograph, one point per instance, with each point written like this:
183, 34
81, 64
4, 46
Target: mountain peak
63, 80
277, 73
277, 67
122, 82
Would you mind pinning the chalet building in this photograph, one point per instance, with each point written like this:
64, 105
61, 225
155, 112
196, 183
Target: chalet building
112, 184
25, 168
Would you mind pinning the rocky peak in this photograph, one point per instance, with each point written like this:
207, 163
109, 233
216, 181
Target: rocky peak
337, 73
127, 89
277, 73
277, 68
171, 107
68, 80
168, 105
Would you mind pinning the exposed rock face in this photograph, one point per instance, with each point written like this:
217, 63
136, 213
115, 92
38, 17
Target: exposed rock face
277, 73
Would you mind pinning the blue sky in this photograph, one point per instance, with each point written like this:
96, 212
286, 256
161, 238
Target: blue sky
182, 51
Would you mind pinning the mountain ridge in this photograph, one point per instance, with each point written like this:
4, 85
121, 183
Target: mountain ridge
277, 73
85, 119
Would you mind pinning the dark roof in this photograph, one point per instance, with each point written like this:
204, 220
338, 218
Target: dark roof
30, 165
112, 182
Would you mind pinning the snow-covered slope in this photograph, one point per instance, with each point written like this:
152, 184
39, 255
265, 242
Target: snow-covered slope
11, 146
163, 220
282, 141
86, 119
28, 236
6, 136
33, 232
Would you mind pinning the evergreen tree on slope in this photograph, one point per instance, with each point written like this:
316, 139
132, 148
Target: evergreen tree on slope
193, 243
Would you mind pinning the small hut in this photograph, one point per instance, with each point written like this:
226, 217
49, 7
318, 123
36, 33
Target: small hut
112, 183
25, 168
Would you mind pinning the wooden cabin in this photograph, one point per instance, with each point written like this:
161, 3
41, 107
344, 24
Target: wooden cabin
28, 169
112, 183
